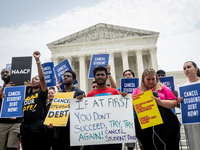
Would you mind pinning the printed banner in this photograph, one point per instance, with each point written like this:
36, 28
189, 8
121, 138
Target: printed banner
49, 74
102, 120
190, 104
98, 60
168, 82
128, 85
58, 113
12, 105
146, 109
60, 70
20, 70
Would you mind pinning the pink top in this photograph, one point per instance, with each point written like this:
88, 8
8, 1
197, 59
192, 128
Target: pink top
164, 94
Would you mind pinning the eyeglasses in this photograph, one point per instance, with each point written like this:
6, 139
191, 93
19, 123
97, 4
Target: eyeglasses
161, 75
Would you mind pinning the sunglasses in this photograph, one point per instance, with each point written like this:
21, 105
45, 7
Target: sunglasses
161, 75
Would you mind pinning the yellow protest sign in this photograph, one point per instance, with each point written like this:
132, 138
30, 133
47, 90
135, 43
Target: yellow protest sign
58, 113
146, 109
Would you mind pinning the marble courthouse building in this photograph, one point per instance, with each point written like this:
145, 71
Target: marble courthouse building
129, 48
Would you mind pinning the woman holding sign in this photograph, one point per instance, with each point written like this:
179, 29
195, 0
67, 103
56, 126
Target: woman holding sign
192, 130
163, 136
32, 128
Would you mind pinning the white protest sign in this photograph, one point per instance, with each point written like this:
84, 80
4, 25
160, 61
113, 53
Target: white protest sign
102, 120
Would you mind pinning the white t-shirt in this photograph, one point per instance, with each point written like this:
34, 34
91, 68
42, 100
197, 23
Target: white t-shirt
192, 130
191, 83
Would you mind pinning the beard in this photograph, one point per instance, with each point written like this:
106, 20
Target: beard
101, 83
6, 80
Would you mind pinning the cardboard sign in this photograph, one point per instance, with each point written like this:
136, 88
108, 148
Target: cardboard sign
102, 120
21, 70
58, 113
146, 109
98, 60
12, 105
49, 74
60, 70
128, 85
168, 82
190, 104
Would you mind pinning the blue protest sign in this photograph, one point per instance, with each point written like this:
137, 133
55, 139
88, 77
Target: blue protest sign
98, 60
8, 66
12, 105
190, 104
128, 85
49, 73
60, 70
168, 82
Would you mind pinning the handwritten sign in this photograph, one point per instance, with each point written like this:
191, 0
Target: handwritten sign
128, 85
168, 82
58, 113
12, 105
146, 109
98, 60
60, 70
190, 104
102, 120
49, 73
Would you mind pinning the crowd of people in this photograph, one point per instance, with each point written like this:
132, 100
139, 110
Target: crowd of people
30, 131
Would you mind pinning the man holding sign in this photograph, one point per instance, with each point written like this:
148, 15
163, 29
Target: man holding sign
101, 75
9, 127
62, 134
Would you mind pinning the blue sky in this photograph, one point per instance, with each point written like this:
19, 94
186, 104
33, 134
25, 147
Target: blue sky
26, 26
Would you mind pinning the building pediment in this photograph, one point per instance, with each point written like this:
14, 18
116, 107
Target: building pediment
102, 31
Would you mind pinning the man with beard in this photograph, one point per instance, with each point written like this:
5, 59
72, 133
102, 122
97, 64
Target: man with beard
101, 75
62, 134
9, 127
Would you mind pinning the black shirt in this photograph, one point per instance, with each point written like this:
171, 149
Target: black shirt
64, 131
34, 112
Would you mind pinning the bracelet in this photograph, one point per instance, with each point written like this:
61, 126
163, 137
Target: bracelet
38, 62
109, 73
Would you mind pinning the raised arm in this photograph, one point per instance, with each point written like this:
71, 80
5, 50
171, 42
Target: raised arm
111, 80
43, 85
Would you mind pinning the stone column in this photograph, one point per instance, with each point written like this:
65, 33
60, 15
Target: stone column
82, 72
140, 65
55, 60
154, 62
70, 59
125, 60
112, 66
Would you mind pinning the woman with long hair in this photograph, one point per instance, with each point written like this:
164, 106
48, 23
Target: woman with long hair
32, 129
192, 131
163, 136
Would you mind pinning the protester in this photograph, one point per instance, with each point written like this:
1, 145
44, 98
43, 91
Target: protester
9, 127
101, 75
192, 131
51, 143
162, 136
62, 134
32, 129
94, 85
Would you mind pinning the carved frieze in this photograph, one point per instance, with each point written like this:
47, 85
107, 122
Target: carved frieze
101, 33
